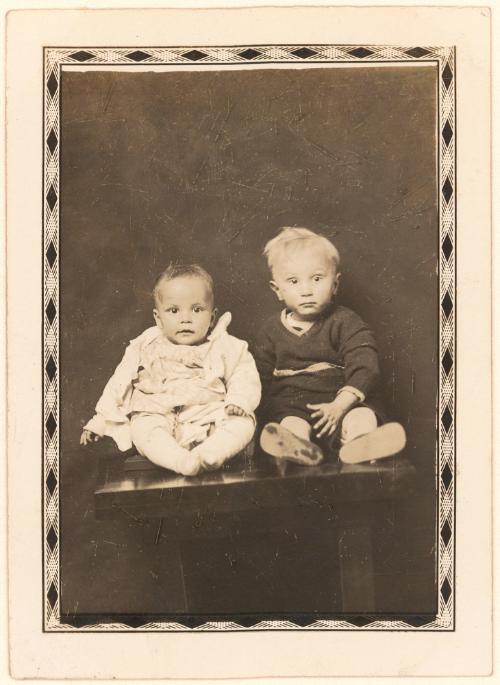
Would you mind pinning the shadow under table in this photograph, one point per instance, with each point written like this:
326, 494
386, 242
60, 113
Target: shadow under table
249, 501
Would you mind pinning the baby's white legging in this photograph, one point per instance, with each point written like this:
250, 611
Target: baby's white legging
153, 436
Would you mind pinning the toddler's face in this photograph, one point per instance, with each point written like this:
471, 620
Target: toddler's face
305, 281
184, 310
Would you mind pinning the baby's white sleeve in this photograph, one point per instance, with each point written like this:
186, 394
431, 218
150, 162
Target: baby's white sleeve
243, 382
111, 417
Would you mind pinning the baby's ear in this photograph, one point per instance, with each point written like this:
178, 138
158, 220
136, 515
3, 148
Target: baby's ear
213, 317
157, 318
275, 289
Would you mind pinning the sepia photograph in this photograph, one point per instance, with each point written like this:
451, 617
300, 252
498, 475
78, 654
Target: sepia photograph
248, 343
249, 335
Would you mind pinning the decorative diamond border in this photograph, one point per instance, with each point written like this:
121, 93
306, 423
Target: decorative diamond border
444, 58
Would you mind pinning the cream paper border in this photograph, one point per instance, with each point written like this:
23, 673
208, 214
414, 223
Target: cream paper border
467, 650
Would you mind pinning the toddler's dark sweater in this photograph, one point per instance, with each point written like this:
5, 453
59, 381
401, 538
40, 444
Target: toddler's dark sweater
339, 337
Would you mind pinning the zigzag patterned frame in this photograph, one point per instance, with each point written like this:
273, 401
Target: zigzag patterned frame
444, 59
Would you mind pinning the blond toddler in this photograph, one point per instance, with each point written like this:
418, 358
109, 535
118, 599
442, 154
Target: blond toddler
317, 361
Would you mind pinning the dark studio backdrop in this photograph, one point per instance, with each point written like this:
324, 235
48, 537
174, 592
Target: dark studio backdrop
205, 166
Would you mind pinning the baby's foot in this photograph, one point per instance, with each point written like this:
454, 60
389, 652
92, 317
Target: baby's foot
188, 464
384, 441
207, 461
282, 443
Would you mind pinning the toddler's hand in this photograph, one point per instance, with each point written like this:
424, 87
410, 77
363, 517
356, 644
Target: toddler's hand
88, 437
233, 410
328, 414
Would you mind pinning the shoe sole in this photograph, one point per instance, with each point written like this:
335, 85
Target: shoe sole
281, 443
385, 441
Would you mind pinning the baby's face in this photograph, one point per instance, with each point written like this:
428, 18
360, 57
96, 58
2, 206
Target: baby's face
305, 281
184, 310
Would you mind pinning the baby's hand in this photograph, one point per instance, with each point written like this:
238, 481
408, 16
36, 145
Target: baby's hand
328, 414
88, 437
233, 410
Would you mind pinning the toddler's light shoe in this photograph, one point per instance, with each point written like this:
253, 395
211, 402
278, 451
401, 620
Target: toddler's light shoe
281, 443
385, 441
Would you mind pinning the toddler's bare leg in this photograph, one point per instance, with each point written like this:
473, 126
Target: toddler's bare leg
290, 440
363, 441
357, 422
230, 436
152, 436
297, 426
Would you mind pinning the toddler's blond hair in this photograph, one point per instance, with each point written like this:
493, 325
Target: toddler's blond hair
297, 237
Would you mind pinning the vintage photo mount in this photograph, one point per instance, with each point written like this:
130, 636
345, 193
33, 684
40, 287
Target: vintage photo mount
196, 57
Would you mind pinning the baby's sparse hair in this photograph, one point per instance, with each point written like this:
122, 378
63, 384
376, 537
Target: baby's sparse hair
176, 271
295, 236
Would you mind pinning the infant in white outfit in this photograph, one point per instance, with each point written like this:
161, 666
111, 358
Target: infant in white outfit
185, 391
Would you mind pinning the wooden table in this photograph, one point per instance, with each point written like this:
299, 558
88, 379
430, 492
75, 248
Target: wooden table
259, 491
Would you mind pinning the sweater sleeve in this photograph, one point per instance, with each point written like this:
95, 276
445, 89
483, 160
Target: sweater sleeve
265, 358
358, 350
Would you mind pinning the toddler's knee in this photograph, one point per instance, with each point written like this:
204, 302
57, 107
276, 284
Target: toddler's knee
357, 422
298, 426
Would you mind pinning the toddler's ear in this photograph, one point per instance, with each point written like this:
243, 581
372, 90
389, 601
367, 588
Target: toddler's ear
336, 283
275, 289
213, 318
